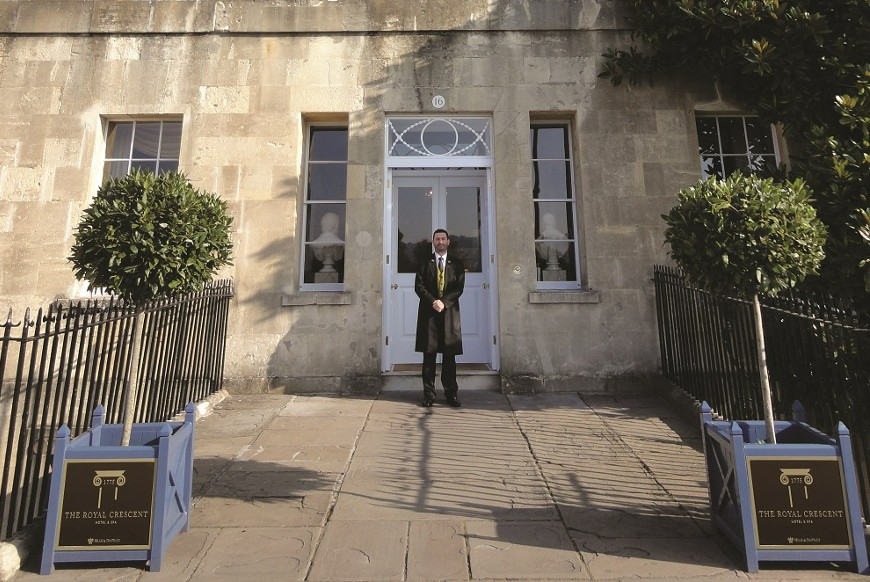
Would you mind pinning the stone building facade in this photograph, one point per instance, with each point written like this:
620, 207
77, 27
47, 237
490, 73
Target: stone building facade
372, 122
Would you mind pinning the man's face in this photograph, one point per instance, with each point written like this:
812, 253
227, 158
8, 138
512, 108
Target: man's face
440, 242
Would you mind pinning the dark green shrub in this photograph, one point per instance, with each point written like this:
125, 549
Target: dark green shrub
746, 234
146, 235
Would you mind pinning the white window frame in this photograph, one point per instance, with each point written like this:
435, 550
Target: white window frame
109, 121
572, 199
774, 137
304, 243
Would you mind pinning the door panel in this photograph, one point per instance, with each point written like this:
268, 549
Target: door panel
420, 205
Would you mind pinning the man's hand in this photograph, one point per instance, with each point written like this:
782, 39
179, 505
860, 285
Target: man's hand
438, 306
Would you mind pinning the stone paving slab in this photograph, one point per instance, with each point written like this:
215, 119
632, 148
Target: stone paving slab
622, 522
653, 556
258, 553
519, 487
362, 550
327, 406
440, 499
319, 423
316, 458
185, 555
240, 422
308, 510
519, 550
437, 550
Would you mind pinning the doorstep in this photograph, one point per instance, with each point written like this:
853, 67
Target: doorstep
469, 377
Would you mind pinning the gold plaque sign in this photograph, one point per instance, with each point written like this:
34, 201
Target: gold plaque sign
106, 505
799, 503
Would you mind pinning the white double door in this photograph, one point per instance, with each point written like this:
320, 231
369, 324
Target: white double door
457, 202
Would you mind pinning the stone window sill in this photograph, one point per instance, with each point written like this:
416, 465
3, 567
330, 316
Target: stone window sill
557, 296
316, 298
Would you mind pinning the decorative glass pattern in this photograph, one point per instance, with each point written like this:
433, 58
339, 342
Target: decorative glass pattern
438, 137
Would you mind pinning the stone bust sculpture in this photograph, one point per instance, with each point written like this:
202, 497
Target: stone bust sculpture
548, 228
328, 229
328, 247
549, 249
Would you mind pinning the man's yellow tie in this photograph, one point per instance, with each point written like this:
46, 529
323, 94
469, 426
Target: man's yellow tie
440, 276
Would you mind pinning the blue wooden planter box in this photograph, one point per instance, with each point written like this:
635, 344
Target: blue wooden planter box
796, 500
114, 503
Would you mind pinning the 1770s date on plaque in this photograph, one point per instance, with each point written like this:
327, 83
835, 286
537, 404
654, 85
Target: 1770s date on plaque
106, 505
799, 503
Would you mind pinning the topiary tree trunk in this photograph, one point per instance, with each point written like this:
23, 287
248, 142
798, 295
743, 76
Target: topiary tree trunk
746, 235
147, 235
761, 354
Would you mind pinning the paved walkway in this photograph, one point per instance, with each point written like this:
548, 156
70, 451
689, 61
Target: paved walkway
543, 487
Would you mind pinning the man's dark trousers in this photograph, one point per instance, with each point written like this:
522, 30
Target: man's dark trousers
448, 375
448, 369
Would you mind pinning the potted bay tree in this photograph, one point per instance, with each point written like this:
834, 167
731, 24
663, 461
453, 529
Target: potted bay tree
122, 492
780, 490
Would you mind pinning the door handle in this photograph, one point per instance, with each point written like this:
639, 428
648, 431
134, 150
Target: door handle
486, 285
394, 286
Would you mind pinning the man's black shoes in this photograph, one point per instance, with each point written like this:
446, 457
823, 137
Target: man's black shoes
454, 402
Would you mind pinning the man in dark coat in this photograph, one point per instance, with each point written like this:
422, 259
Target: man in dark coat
439, 283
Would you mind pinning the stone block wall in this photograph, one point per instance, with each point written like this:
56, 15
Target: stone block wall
246, 76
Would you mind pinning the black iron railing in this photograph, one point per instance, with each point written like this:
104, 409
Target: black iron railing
818, 352
57, 366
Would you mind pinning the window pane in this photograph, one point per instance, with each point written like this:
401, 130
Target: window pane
170, 144
463, 224
134, 145
759, 136
167, 166
327, 182
554, 221
550, 143
115, 169
732, 134
763, 164
324, 265
324, 249
708, 136
711, 166
554, 249
439, 138
325, 223
551, 179
473, 136
118, 140
414, 227
146, 140
734, 163
149, 165
328, 144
